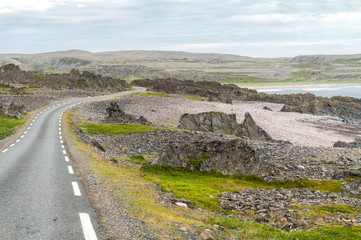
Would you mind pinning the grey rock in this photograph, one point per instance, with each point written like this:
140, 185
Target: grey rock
353, 188
218, 122
228, 157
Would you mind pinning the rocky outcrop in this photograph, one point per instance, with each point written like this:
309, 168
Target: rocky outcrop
219, 122
11, 74
347, 108
12, 109
353, 188
16, 110
228, 157
355, 144
250, 129
117, 115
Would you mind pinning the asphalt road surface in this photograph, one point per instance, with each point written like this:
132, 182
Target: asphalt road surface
41, 196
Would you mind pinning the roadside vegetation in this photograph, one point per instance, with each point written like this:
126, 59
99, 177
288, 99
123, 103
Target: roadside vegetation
9, 124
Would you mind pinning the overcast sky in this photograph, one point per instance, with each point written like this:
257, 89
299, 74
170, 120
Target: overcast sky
256, 28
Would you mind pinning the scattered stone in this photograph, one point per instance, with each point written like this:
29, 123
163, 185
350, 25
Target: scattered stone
267, 108
355, 144
181, 205
206, 235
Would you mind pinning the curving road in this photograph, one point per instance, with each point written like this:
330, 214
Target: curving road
40, 195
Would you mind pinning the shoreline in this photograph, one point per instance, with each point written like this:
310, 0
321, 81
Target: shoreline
283, 86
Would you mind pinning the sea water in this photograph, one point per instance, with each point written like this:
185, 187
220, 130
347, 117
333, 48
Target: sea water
322, 91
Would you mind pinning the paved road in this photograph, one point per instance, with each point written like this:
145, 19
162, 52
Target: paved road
40, 195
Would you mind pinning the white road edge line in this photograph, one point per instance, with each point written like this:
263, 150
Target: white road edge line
12, 145
88, 230
71, 171
64, 152
18, 140
4, 150
66, 159
76, 189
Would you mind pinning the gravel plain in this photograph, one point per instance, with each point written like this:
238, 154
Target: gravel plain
299, 129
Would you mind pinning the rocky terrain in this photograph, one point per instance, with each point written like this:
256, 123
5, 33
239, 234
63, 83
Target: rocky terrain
11, 75
284, 160
211, 143
347, 108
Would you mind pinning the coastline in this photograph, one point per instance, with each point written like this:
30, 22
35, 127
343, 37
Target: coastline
283, 86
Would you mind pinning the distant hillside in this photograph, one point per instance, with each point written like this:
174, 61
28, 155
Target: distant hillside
226, 68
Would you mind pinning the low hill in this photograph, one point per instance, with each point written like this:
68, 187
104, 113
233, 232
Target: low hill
225, 68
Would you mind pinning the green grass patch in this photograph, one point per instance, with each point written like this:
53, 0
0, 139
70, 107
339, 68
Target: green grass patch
41, 77
154, 94
340, 208
199, 160
198, 186
115, 129
347, 60
4, 86
139, 159
256, 231
196, 98
8, 125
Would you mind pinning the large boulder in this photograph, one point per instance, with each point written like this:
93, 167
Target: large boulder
117, 115
219, 122
16, 110
353, 188
250, 129
216, 122
228, 157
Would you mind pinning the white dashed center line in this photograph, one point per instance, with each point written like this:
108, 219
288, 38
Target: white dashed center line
88, 230
76, 188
